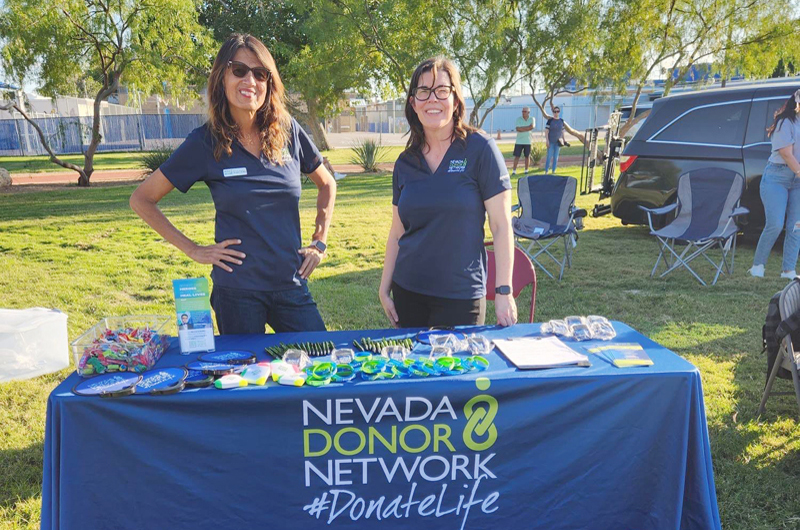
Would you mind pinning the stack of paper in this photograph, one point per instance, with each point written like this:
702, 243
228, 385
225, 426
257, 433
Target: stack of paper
540, 352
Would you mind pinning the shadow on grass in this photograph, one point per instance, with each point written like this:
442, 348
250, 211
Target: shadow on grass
26, 478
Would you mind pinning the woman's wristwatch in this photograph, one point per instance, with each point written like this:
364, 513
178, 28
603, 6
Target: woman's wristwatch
319, 245
502, 289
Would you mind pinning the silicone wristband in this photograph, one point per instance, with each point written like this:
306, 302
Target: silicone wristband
323, 370
416, 369
313, 381
427, 366
373, 366
478, 363
444, 364
363, 357
344, 372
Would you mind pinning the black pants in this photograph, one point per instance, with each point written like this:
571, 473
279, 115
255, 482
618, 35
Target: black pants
421, 311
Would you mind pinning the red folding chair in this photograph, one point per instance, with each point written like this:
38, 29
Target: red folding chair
522, 275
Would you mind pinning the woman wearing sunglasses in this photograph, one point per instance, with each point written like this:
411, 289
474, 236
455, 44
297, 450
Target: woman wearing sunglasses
250, 154
445, 182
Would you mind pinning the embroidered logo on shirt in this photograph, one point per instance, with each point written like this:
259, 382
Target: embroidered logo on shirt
457, 166
287, 156
234, 172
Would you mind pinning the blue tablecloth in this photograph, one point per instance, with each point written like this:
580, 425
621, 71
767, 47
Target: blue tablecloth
569, 448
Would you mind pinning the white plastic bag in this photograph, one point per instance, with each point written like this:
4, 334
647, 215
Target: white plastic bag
32, 342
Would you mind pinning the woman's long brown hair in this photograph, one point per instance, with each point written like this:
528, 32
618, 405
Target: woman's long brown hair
272, 119
416, 140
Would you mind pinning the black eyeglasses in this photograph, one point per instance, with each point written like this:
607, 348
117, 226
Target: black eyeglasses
423, 93
260, 73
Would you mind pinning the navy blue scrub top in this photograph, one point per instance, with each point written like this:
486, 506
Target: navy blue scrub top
255, 200
441, 252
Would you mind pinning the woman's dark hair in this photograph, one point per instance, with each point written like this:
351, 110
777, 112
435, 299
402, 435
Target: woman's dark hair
272, 119
461, 129
787, 112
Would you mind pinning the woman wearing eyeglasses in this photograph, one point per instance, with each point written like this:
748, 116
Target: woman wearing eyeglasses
445, 182
250, 154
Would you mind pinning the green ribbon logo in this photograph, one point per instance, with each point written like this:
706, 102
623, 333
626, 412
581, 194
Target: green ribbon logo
480, 412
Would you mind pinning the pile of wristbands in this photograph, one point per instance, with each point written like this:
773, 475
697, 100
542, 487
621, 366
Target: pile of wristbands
369, 367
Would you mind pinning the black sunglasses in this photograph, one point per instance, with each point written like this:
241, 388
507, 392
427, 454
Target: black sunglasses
260, 73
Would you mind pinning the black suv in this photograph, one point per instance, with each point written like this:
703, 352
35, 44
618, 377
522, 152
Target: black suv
723, 128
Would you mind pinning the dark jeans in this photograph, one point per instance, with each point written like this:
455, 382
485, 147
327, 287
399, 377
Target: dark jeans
421, 311
241, 311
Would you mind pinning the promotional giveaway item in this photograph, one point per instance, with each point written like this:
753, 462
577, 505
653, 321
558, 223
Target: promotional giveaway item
193, 315
479, 345
427, 336
229, 357
298, 358
343, 356
367, 344
230, 381
197, 379
623, 355
292, 379
162, 381
121, 344
314, 349
257, 374
108, 385
282, 368
215, 369
580, 328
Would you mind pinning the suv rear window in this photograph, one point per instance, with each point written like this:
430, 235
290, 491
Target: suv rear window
761, 116
720, 124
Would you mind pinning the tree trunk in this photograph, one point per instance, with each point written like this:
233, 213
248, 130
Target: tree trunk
317, 130
83, 179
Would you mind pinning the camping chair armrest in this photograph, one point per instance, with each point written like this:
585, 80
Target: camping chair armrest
741, 210
657, 211
578, 213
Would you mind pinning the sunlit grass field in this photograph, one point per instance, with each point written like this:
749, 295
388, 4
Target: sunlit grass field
84, 252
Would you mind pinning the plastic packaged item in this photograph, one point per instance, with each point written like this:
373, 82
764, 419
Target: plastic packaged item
556, 327
257, 374
438, 352
293, 379
32, 342
574, 321
282, 368
395, 353
603, 330
230, 381
119, 344
343, 355
479, 345
297, 358
581, 332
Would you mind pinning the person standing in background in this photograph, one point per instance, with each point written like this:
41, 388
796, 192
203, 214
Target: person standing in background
522, 146
780, 191
554, 138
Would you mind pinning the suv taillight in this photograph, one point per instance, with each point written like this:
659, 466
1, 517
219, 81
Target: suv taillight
625, 162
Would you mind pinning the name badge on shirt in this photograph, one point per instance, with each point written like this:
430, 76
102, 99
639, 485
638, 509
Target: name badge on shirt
457, 166
234, 172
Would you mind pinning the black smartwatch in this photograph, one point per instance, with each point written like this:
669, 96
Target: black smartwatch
503, 289
319, 245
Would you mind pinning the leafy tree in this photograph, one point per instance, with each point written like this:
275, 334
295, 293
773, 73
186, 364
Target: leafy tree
561, 55
103, 42
489, 60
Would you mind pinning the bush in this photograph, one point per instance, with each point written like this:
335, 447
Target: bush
368, 154
152, 160
537, 153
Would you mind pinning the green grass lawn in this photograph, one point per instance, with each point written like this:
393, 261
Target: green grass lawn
84, 252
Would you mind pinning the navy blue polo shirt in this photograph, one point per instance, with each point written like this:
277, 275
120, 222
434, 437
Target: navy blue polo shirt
441, 251
255, 200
